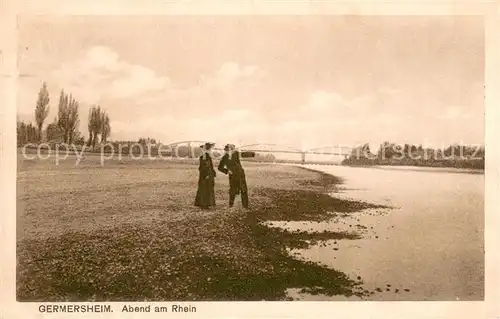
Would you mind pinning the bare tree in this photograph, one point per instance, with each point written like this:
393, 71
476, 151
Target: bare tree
73, 119
42, 109
68, 116
53, 131
105, 127
21, 133
95, 124
26, 133
63, 115
89, 125
98, 124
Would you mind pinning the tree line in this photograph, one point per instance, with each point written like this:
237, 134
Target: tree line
455, 155
391, 150
65, 126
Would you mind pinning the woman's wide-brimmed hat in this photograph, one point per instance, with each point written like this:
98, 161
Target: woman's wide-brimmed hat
207, 145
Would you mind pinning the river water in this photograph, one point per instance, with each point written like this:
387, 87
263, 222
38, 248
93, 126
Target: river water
428, 246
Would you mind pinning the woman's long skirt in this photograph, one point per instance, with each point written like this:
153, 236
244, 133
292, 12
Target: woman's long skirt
205, 196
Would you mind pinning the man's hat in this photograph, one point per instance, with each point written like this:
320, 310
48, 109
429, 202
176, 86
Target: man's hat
207, 145
229, 147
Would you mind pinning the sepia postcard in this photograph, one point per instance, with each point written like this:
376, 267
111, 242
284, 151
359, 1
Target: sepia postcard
310, 159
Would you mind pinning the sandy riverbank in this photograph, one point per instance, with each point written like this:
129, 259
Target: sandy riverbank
128, 231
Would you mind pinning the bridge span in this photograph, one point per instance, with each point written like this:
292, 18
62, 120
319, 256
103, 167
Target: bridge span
270, 149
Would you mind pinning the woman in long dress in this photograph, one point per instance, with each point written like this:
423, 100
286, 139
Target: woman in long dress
205, 196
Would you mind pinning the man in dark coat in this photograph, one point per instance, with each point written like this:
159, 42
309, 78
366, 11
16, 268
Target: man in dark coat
205, 196
230, 164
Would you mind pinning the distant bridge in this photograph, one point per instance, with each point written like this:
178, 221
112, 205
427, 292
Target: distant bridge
272, 148
325, 150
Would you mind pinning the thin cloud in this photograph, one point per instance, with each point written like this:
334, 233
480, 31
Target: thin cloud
100, 73
229, 74
454, 113
322, 100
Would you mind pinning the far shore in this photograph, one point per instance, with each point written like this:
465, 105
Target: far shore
423, 168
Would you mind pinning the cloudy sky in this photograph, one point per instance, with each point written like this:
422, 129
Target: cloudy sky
303, 81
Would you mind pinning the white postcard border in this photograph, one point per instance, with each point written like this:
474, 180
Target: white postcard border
9, 308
